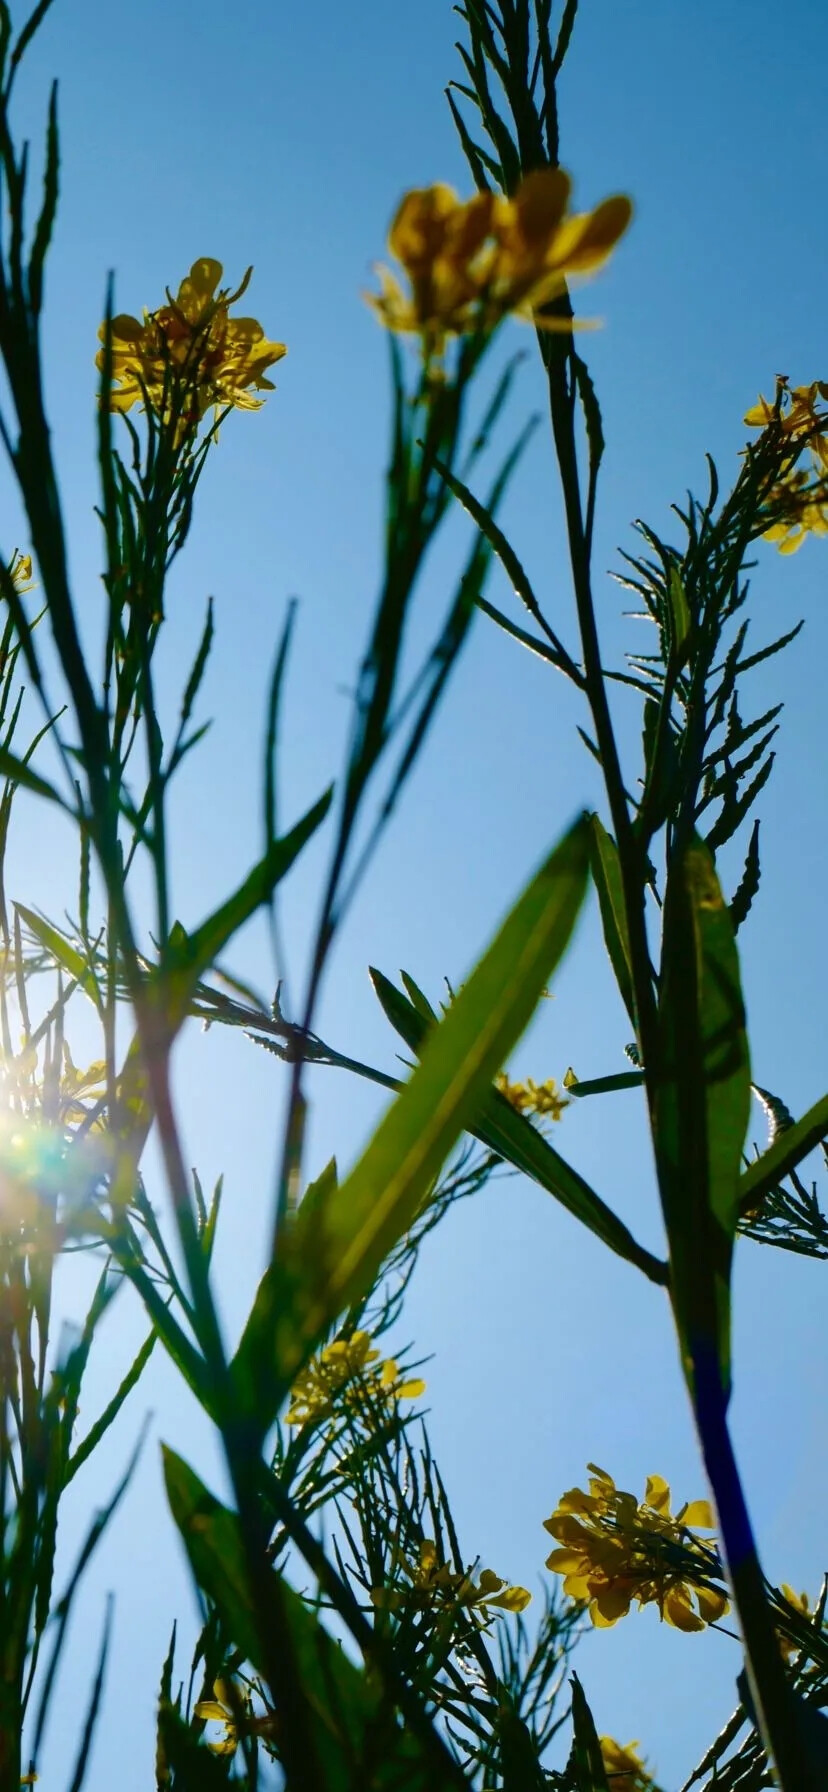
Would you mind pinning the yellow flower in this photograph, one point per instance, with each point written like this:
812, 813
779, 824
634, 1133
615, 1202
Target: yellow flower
470, 263
615, 1550
347, 1376
542, 1099
801, 512
190, 354
802, 1606
20, 572
796, 413
798, 502
433, 1584
237, 1719
623, 1766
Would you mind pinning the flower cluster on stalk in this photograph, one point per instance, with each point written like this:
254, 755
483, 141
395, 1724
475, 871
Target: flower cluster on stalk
348, 1377
797, 503
470, 263
542, 1100
623, 1766
190, 354
613, 1550
432, 1584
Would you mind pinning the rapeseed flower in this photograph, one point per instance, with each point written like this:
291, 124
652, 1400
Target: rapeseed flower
797, 503
623, 1766
541, 1099
237, 1718
433, 1584
346, 1377
20, 572
614, 1550
471, 263
801, 1604
190, 353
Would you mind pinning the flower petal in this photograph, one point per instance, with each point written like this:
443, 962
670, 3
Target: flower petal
609, 1605
699, 1514
678, 1611
711, 1603
657, 1494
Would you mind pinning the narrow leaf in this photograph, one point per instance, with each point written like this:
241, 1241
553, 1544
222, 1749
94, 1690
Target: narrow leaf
190, 955
18, 772
586, 1761
702, 1103
605, 866
330, 1257
518, 1142
742, 901
65, 955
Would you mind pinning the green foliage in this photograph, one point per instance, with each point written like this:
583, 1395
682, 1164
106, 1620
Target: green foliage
349, 1641
336, 1246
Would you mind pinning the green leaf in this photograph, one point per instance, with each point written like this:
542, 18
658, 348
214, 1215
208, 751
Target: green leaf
702, 1103
679, 611
519, 1764
515, 572
351, 1721
514, 1138
586, 1761
18, 772
331, 1254
191, 954
742, 901
787, 1150
605, 866
111, 1411
65, 955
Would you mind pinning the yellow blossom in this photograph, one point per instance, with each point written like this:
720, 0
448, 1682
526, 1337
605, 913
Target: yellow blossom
347, 1376
623, 1766
432, 1584
20, 572
798, 512
237, 1718
470, 263
190, 354
614, 1550
801, 1604
542, 1099
798, 502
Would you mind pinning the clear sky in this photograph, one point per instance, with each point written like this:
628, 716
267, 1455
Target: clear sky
283, 135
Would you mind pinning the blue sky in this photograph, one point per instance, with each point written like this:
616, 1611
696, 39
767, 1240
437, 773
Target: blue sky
284, 136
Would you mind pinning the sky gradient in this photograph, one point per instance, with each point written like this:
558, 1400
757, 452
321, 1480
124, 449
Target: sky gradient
284, 136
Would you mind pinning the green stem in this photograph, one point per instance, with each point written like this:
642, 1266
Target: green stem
628, 850
772, 1698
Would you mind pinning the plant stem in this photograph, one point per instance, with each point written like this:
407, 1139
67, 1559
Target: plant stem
774, 1703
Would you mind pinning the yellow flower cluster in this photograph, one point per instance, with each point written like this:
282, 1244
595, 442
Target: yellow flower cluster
347, 1377
470, 263
433, 1584
614, 1550
190, 354
623, 1766
542, 1099
799, 502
